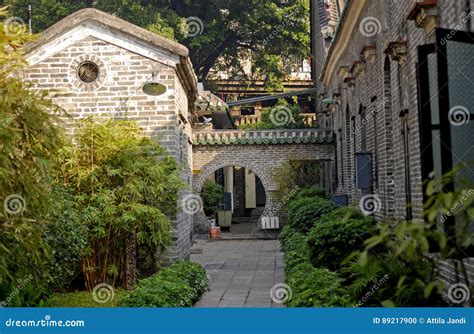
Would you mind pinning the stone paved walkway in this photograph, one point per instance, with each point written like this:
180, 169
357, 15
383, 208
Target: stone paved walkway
242, 272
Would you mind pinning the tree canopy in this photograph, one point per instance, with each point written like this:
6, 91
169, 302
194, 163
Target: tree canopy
217, 32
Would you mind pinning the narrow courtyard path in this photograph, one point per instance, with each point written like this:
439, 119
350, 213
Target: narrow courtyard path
241, 272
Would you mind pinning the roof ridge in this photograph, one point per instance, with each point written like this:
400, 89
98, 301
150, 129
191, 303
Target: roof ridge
91, 14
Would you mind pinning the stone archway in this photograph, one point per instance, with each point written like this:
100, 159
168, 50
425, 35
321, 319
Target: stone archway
271, 204
262, 152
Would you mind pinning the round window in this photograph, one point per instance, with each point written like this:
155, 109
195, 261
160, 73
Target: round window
88, 71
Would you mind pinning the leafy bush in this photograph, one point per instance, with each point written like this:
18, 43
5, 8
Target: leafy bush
336, 235
344, 213
285, 234
29, 141
295, 175
398, 251
304, 212
125, 197
67, 238
316, 287
296, 252
180, 285
308, 192
383, 279
211, 194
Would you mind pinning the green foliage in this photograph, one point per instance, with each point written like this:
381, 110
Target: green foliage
336, 236
180, 285
307, 192
299, 176
399, 251
383, 279
304, 212
296, 252
316, 287
155, 17
451, 197
66, 235
211, 194
267, 30
29, 141
83, 299
123, 183
285, 234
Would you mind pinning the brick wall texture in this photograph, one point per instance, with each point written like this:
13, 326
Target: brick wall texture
374, 104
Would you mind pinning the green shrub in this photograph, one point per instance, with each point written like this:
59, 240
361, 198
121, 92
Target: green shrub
180, 285
29, 142
296, 252
344, 213
316, 287
67, 238
125, 197
211, 194
295, 175
399, 251
308, 192
336, 235
386, 280
304, 212
285, 234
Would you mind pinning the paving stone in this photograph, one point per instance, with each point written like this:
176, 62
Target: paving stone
242, 272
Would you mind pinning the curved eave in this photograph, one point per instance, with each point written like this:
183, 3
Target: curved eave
346, 27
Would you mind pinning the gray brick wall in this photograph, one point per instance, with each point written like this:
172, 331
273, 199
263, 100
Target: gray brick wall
385, 89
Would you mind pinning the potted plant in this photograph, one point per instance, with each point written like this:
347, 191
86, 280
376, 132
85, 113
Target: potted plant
211, 195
